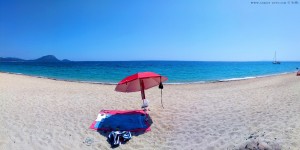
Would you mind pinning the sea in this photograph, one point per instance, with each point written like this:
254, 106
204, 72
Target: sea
178, 72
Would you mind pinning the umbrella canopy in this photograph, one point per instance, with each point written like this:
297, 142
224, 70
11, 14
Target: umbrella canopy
140, 82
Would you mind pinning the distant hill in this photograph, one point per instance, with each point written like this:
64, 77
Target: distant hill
47, 58
66, 60
11, 59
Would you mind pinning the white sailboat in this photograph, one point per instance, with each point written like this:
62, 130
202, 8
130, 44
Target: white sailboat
275, 60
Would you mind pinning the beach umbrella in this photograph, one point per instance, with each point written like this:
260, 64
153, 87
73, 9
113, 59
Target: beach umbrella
140, 82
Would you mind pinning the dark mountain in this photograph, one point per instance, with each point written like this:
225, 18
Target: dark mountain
66, 60
10, 59
47, 58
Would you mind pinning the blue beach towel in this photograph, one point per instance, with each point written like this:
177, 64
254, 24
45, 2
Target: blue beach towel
118, 120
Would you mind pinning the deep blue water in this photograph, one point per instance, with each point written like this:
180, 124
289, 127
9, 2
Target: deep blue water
176, 71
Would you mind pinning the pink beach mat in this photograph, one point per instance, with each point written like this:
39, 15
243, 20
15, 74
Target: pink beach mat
122, 120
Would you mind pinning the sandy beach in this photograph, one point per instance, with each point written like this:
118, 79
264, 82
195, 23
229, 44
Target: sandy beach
39, 113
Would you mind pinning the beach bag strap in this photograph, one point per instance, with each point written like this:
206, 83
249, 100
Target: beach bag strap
114, 138
126, 135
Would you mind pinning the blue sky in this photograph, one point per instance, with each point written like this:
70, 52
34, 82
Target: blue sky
225, 30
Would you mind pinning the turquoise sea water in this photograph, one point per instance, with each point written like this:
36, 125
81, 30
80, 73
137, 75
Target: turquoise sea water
176, 71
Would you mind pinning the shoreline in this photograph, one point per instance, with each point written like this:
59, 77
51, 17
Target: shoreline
183, 83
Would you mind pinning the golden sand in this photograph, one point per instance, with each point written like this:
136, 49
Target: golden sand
41, 113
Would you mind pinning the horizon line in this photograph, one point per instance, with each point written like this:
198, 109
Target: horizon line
165, 60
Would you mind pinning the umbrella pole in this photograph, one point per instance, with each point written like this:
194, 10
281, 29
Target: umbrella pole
142, 89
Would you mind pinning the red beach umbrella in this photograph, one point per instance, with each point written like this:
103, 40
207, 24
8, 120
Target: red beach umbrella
140, 82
